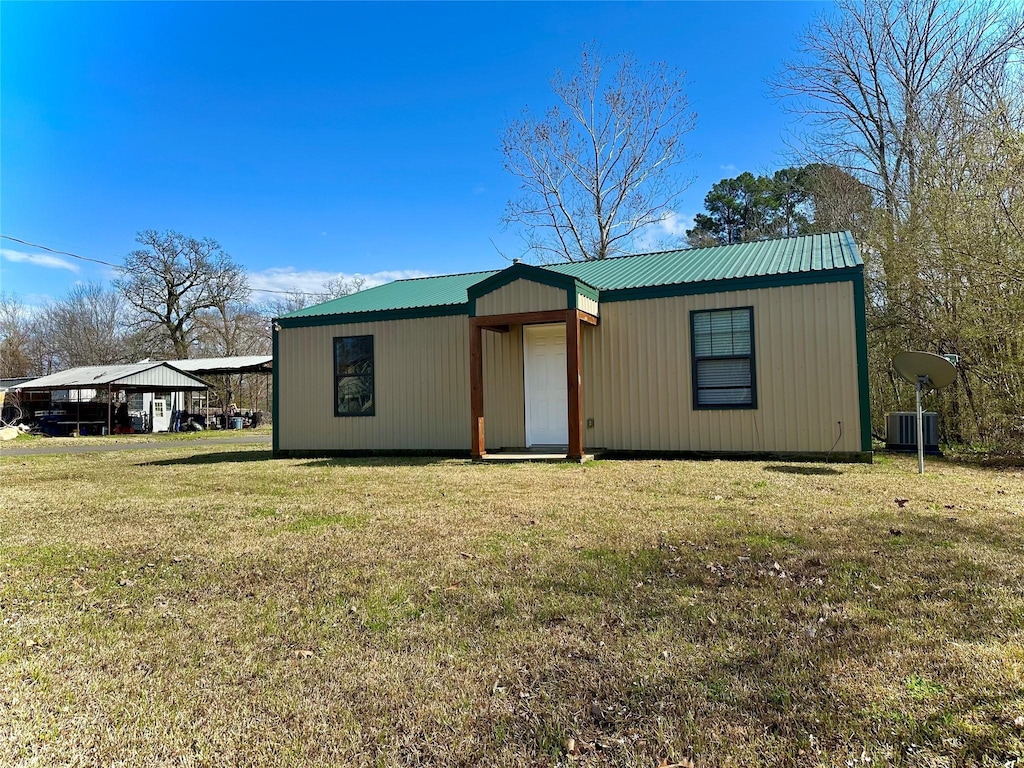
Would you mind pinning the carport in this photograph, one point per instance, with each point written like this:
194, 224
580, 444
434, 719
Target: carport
154, 377
236, 365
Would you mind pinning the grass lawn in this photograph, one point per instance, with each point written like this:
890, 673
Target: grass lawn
29, 440
216, 607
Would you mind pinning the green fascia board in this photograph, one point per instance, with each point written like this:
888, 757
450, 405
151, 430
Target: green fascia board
732, 284
587, 290
571, 285
376, 316
275, 419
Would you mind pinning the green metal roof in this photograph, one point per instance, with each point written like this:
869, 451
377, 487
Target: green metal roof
401, 294
791, 256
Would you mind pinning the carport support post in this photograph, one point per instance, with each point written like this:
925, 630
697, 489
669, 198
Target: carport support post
476, 389
108, 410
78, 413
574, 388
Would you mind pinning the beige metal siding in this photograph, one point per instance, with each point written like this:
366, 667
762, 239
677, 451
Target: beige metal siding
504, 414
587, 304
421, 381
637, 374
636, 380
521, 296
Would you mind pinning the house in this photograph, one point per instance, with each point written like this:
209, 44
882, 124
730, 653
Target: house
754, 349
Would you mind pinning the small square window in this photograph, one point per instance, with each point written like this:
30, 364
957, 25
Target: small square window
723, 358
353, 376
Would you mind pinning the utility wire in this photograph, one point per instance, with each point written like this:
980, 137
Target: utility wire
62, 253
120, 266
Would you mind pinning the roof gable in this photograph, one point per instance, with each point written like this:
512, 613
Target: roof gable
519, 271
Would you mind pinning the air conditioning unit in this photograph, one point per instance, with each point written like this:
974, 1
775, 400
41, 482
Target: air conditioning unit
901, 431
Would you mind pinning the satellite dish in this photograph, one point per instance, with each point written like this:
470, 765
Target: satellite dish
912, 366
925, 371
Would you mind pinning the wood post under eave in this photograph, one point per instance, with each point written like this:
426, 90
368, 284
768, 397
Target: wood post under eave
476, 390
573, 380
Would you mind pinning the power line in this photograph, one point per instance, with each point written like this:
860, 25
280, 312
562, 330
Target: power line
62, 253
121, 267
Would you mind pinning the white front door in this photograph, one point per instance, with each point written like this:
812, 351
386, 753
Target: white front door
545, 387
160, 415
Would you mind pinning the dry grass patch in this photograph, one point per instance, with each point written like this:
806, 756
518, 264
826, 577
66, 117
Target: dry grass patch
209, 607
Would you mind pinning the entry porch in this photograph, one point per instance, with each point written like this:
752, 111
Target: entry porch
572, 320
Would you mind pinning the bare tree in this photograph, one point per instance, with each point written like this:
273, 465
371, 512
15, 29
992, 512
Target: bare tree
876, 77
20, 352
603, 163
921, 100
172, 280
335, 288
340, 286
87, 327
232, 329
228, 330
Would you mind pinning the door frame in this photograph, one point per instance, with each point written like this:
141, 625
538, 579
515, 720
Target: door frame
526, 381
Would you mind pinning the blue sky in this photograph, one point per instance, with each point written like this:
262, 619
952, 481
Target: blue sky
318, 139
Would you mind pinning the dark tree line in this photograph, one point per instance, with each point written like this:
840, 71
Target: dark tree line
800, 200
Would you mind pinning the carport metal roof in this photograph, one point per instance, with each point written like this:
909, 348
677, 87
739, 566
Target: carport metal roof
145, 377
210, 366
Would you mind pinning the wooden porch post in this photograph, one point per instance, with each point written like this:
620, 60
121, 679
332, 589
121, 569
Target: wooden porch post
476, 389
572, 372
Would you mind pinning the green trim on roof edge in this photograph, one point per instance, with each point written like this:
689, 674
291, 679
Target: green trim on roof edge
275, 419
861, 323
374, 316
731, 284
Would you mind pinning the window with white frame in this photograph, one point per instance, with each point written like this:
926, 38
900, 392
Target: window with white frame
722, 343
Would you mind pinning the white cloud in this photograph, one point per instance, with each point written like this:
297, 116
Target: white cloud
676, 224
49, 261
312, 280
667, 233
728, 168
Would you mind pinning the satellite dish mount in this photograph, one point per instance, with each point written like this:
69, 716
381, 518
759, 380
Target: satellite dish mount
925, 371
